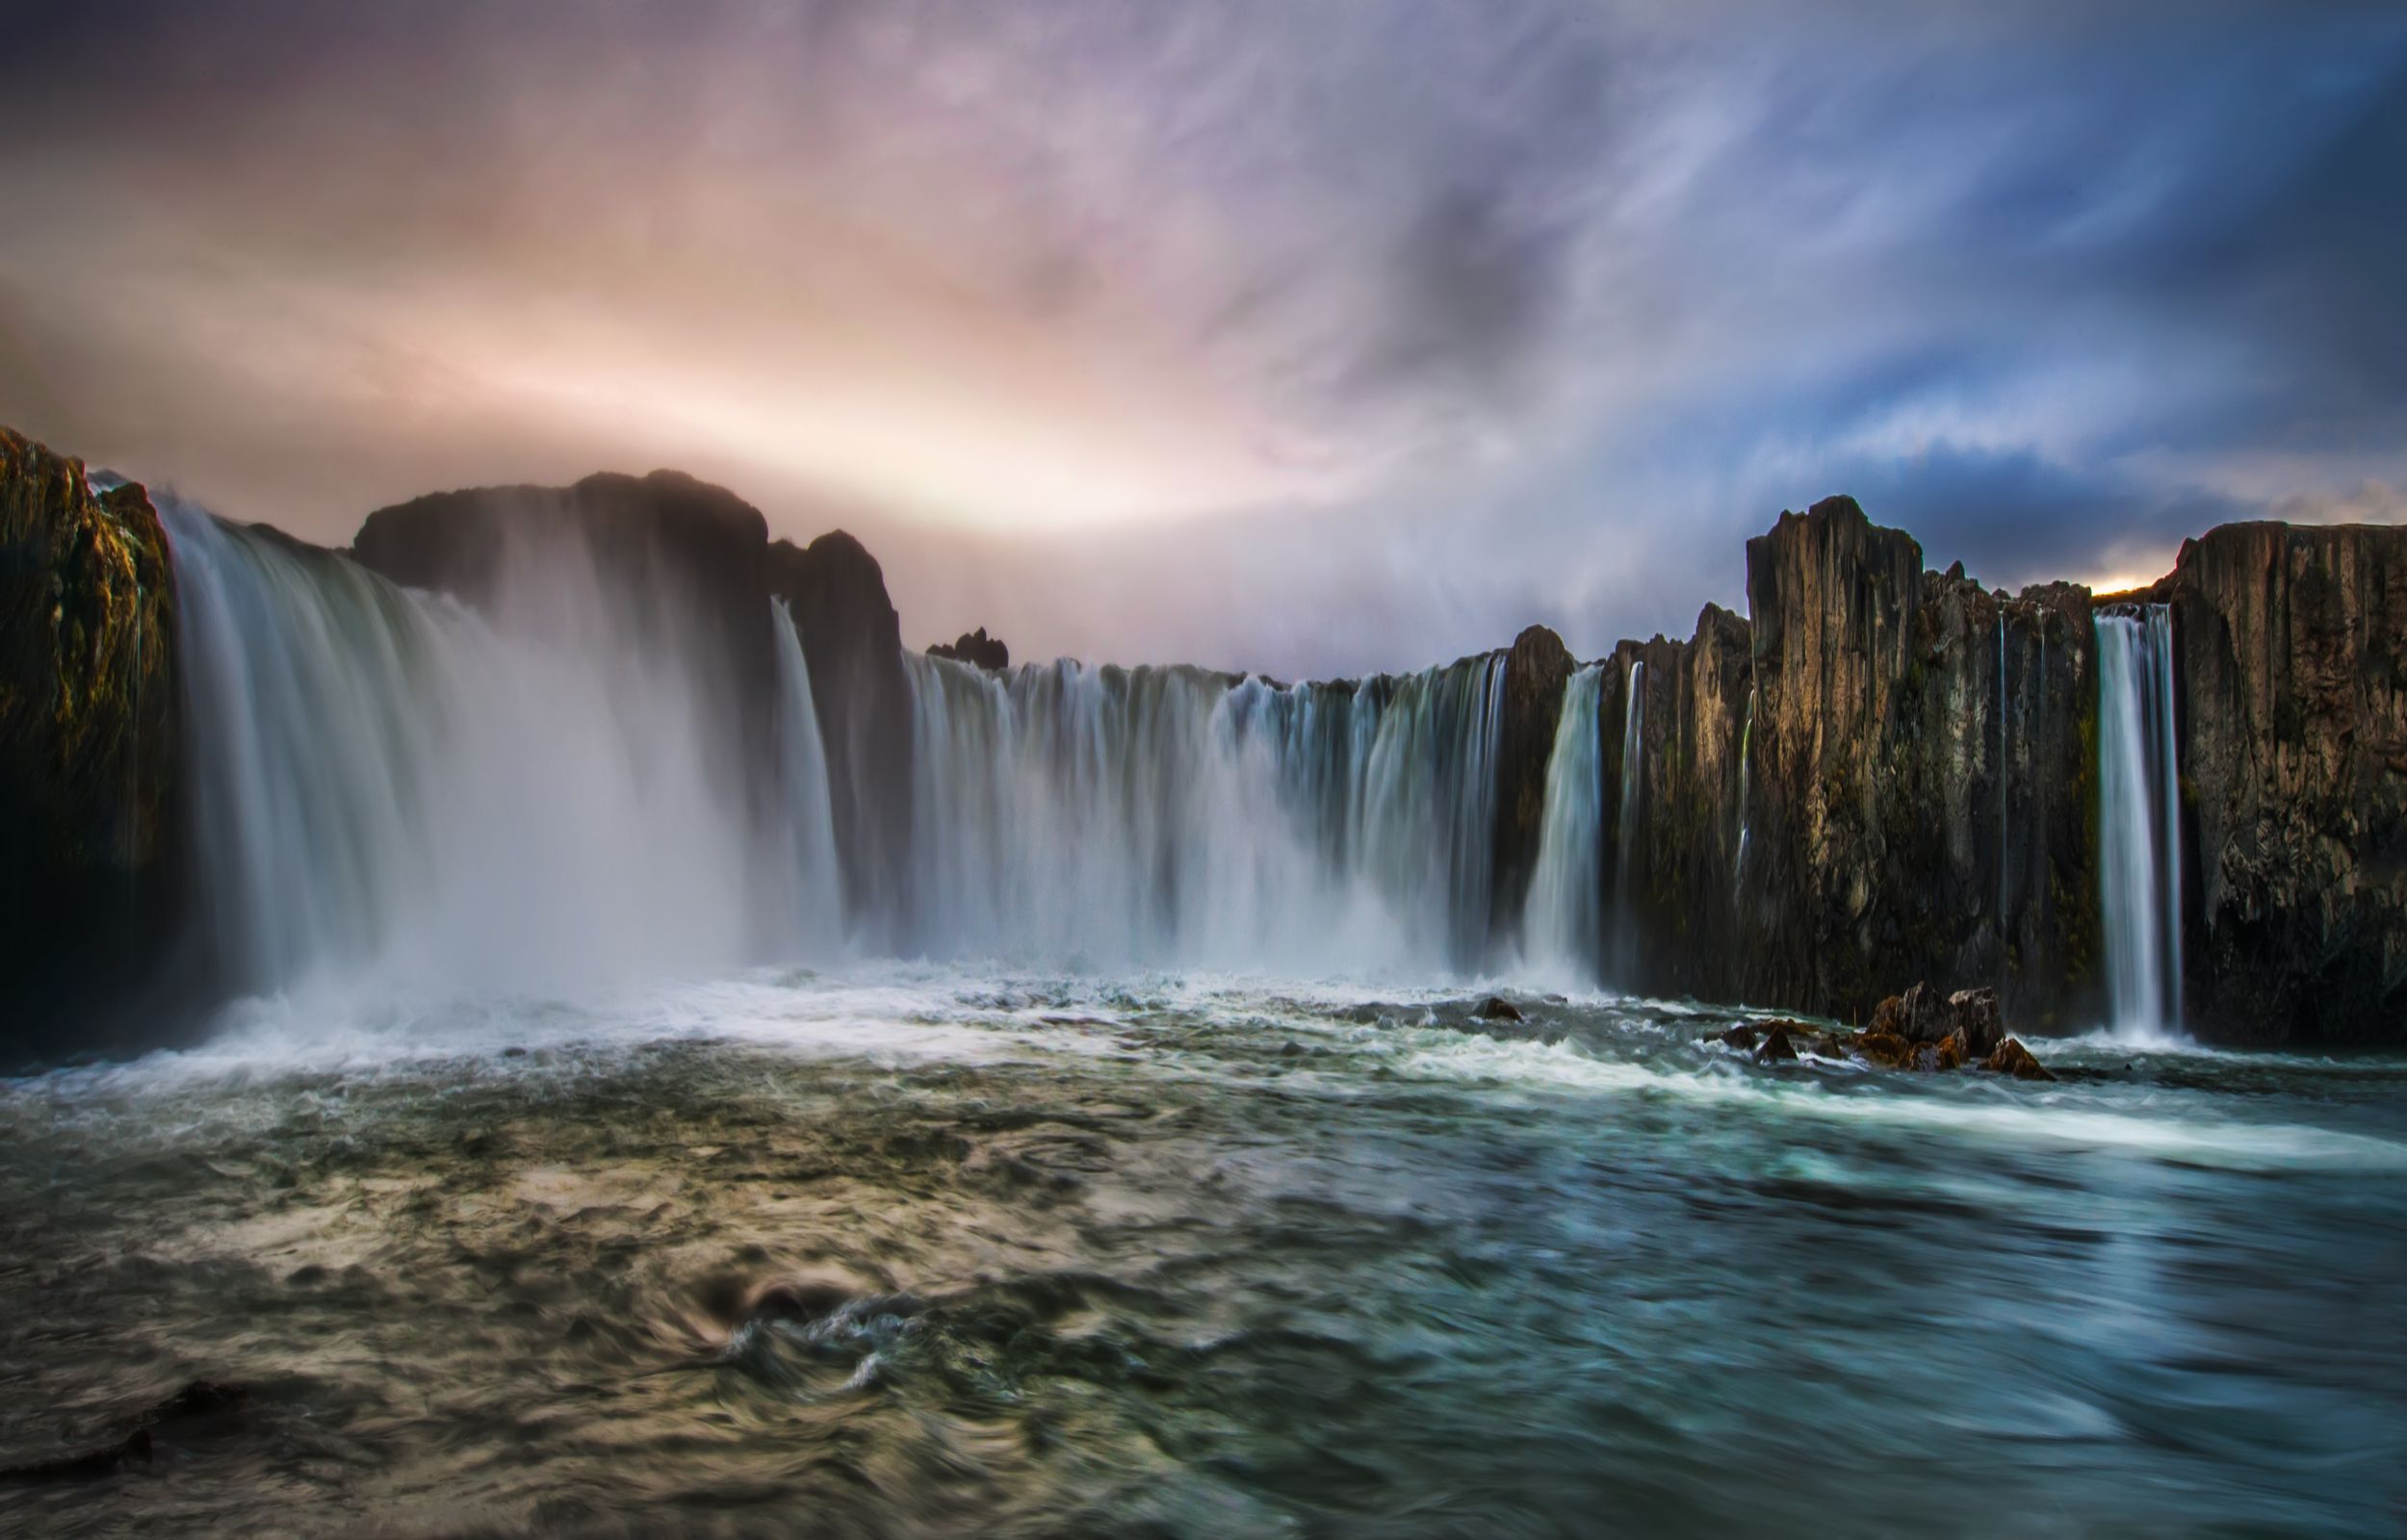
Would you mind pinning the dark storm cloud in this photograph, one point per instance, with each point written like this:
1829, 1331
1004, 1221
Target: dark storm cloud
1416, 321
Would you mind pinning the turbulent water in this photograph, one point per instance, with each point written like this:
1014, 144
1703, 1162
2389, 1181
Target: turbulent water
907, 1250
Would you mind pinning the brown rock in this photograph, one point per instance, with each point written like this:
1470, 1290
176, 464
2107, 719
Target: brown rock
1886, 1050
1497, 1008
1776, 1046
1741, 1036
2011, 1058
1975, 1021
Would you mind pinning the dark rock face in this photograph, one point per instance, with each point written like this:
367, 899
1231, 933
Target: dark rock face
1535, 670
2292, 651
89, 717
976, 649
852, 639
1887, 772
1497, 1008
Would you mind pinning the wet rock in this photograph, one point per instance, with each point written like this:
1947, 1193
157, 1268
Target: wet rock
1885, 1048
1497, 1008
1921, 1016
2011, 1058
976, 649
1776, 1048
1741, 1037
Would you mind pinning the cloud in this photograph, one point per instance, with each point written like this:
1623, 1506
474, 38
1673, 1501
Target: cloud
1298, 336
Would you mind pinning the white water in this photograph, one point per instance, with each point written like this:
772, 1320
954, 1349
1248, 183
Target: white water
817, 900
389, 784
2139, 822
2004, 773
1562, 924
1094, 817
1626, 829
1747, 745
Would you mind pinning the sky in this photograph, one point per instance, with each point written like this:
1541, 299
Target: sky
1309, 337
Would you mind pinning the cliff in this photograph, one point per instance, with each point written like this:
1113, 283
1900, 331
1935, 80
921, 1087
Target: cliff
2292, 647
1885, 775
88, 741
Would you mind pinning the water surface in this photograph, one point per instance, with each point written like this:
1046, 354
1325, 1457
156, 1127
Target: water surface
902, 1250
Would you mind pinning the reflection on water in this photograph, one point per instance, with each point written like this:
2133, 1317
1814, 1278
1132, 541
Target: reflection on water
913, 1252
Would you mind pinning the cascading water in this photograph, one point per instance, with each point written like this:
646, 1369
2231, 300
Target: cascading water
1747, 745
818, 900
2005, 772
1562, 924
1626, 829
2138, 820
1161, 815
386, 782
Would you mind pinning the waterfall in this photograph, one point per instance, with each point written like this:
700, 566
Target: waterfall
2004, 780
817, 900
2139, 820
1626, 829
1092, 816
386, 782
1561, 925
1746, 742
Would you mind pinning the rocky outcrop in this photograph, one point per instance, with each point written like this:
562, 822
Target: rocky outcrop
853, 641
2291, 648
87, 742
976, 649
1536, 669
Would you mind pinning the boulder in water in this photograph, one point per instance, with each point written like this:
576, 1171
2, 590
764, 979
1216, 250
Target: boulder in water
1776, 1048
1497, 1008
1742, 1037
1922, 1015
2011, 1058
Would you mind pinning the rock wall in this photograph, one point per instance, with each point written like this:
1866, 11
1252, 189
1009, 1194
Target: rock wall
853, 639
1906, 760
89, 717
2292, 647
1536, 668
